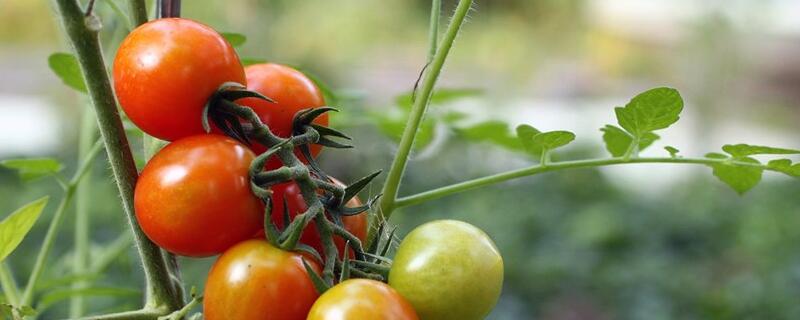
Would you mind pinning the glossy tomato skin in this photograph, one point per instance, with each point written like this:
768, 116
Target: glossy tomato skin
356, 224
193, 197
291, 90
361, 299
254, 280
166, 70
448, 270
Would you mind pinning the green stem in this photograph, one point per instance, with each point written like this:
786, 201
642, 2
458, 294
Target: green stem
82, 203
9, 285
553, 166
82, 35
138, 11
395, 175
143, 314
433, 29
55, 224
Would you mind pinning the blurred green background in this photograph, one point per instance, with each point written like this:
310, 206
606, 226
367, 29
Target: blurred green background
630, 242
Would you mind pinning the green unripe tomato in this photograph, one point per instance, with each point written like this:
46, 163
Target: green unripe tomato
448, 269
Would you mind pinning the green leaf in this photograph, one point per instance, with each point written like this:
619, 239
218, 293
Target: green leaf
716, 155
440, 96
235, 39
535, 142
743, 150
393, 127
525, 134
740, 178
651, 110
673, 152
14, 227
248, 61
66, 67
26, 311
785, 166
495, 132
32, 169
618, 141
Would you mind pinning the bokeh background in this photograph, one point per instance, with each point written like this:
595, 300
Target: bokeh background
630, 242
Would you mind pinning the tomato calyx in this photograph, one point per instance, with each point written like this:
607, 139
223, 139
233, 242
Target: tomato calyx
325, 200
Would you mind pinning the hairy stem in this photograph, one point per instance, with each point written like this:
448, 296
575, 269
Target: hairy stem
395, 175
144, 314
82, 33
80, 260
433, 28
555, 166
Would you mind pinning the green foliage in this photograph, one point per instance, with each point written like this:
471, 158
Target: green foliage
248, 61
14, 227
739, 177
743, 150
496, 132
651, 110
66, 67
618, 141
785, 166
32, 169
673, 152
537, 143
235, 39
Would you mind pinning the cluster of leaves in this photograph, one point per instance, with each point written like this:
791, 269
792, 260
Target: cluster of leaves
637, 122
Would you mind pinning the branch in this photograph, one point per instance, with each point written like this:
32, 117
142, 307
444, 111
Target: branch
82, 34
392, 184
554, 166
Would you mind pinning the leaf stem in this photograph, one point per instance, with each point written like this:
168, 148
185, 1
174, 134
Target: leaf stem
84, 41
143, 314
433, 29
554, 166
395, 175
80, 260
9, 285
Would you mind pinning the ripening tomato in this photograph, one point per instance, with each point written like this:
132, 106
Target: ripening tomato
166, 70
356, 224
254, 280
193, 198
448, 270
292, 91
361, 299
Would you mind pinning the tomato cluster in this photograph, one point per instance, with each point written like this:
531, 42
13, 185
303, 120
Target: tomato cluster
196, 197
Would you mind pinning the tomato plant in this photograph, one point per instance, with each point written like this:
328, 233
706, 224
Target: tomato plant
361, 299
448, 270
166, 70
208, 193
193, 197
254, 280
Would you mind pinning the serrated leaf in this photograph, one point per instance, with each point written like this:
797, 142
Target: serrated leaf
673, 152
618, 141
785, 166
495, 132
66, 67
651, 110
32, 169
235, 39
740, 178
14, 227
743, 150
440, 96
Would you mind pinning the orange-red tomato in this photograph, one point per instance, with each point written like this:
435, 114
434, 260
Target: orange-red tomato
361, 299
254, 280
193, 198
166, 70
292, 91
356, 224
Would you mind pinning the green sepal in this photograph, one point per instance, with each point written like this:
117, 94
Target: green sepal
319, 284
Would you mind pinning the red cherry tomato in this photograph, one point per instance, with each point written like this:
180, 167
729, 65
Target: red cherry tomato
356, 224
193, 198
166, 70
361, 299
292, 91
254, 280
